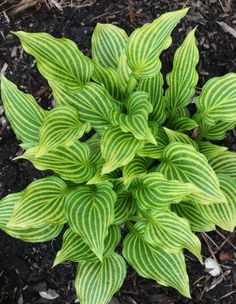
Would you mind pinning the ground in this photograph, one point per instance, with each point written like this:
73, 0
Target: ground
25, 269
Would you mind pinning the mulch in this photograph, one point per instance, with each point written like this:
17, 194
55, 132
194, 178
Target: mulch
25, 269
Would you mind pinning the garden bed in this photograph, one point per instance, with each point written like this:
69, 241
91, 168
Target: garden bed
25, 269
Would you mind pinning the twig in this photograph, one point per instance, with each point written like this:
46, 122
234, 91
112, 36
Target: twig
226, 239
226, 295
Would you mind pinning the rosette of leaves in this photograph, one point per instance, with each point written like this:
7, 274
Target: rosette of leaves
150, 167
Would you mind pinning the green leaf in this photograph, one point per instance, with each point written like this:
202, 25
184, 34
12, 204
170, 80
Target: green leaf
183, 78
90, 211
153, 190
154, 87
175, 136
217, 101
70, 163
118, 148
146, 43
182, 124
58, 59
136, 120
183, 162
76, 250
223, 214
210, 150
96, 282
23, 112
166, 268
125, 205
225, 163
217, 131
61, 127
191, 212
167, 230
40, 233
42, 203
124, 72
92, 101
136, 168
108, 42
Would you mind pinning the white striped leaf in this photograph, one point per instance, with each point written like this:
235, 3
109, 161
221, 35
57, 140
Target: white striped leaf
41, 233
76, 250
223, 214
92, 101
175, 136
225, 163
136, 120
167, 230
108, 42
96, 282
191, 212
90, 211
154, 87
118, 148
217, 101
61, 127
210, 150
182, 162
183, 78
42, 203
155, 191
23, 112
146, 43
70, 163
125, 206
182, 124
166, 268
217, 131
108, 77
58, 59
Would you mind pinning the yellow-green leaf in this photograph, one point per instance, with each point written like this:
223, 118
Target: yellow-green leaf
210, 150
182, 162
108, 42
96, 282
58, 59
90, 211
23, 112
225, 163
166, 268
183, 78
146, 43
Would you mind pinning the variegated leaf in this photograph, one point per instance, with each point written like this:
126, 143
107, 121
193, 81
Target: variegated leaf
153, 190
90, 211
191, 212
210, 150
146, 43
72, 163
108, 42
58, 59
183, 78
154, 87
61, 127
118, 148
175, 136
217, 131
23, 113
182, 162
96, 282
225, 163
167, 230
76, 250
217, 101
182, 124
166, 268
41, 203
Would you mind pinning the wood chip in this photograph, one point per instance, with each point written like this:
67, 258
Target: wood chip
227, 28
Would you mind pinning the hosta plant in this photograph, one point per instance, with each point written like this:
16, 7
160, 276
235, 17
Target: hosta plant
149, 169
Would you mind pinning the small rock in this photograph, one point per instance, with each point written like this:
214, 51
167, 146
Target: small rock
212, 267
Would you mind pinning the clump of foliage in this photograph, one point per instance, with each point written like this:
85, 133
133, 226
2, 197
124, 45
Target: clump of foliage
150, 166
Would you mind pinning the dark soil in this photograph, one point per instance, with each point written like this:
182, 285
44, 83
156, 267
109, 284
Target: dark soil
25, 269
